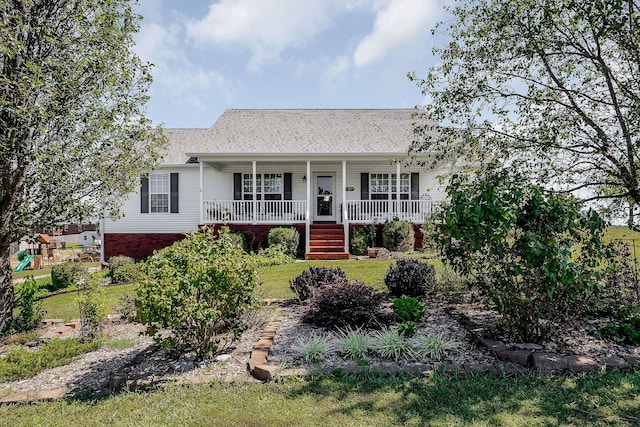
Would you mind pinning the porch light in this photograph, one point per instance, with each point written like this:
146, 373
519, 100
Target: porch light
304, 178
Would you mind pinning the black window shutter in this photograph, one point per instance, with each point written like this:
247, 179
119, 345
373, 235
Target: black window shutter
287, 186
415, 186
237, 186
364, 186
173, 184
144, 194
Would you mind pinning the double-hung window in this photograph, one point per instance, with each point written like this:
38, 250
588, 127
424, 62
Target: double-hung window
269, 186
383, 186
159, 193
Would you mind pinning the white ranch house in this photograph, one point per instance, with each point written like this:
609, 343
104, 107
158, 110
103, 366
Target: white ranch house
322, 171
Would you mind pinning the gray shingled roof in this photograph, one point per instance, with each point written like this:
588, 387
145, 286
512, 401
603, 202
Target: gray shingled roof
291, 132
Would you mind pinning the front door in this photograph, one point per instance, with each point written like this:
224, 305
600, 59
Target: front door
325, 205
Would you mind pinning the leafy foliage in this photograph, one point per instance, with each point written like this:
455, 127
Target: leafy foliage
66, 274
534, 254
410, 277
411, 310
74, 134
309, 281
288, 237
199, 288
21, 363
398, 236
126, 307
624, 331
127, 273
118, 261
92, 306
342, 303
359, 241
273, 255
619, 297
29, 309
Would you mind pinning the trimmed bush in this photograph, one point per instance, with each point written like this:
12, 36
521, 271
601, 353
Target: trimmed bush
199, 288
273, 255
66, 274
359, 241
306, 283
239, 239
118, 261
342, 303
410, 277
127, 273
285, 236
398, 236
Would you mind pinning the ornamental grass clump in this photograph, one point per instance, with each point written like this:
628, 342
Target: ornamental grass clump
316, 348
390, 343
353, 343
432, 347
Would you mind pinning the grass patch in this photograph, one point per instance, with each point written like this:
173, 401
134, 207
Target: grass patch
64, 306
20, 363
596, 399
19, 339
46, 270
275, 279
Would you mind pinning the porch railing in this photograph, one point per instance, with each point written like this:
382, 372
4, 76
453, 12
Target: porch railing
367, 211
260, 211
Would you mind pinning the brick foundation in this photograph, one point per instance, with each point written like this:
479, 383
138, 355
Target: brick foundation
137, 245
257, 234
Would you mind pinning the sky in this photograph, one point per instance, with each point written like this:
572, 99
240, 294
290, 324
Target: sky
213, 55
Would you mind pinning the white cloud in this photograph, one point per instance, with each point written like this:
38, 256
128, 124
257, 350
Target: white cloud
264, 27
398, 23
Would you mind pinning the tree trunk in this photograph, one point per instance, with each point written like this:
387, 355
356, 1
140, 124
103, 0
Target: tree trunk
6, 285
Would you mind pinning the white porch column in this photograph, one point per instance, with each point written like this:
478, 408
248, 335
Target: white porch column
254, 183
201, 192
345, 218
397, 209
307, 226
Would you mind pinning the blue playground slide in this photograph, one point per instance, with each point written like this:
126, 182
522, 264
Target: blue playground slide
25, 262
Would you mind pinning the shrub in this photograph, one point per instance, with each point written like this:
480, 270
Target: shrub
285, 236
624, 331
410, 277
398, 236
28, 309
342, 303
92, 306
118, 261
127, 273
199, 288
126, 307
273, 255
306, 283
618, 298
238, 238
535, 254
66, 274
359, 241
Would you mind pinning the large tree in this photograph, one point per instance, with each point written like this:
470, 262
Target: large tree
73, 134
550, 85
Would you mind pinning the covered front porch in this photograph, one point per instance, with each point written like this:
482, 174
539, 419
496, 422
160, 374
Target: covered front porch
305, 192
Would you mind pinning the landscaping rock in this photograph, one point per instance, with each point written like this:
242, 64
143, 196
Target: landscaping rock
383, 254
548, 363
579, 364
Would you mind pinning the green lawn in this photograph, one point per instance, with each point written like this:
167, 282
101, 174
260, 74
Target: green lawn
46, 270
64, 306
597, 399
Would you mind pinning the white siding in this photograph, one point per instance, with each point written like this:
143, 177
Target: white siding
187, 219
